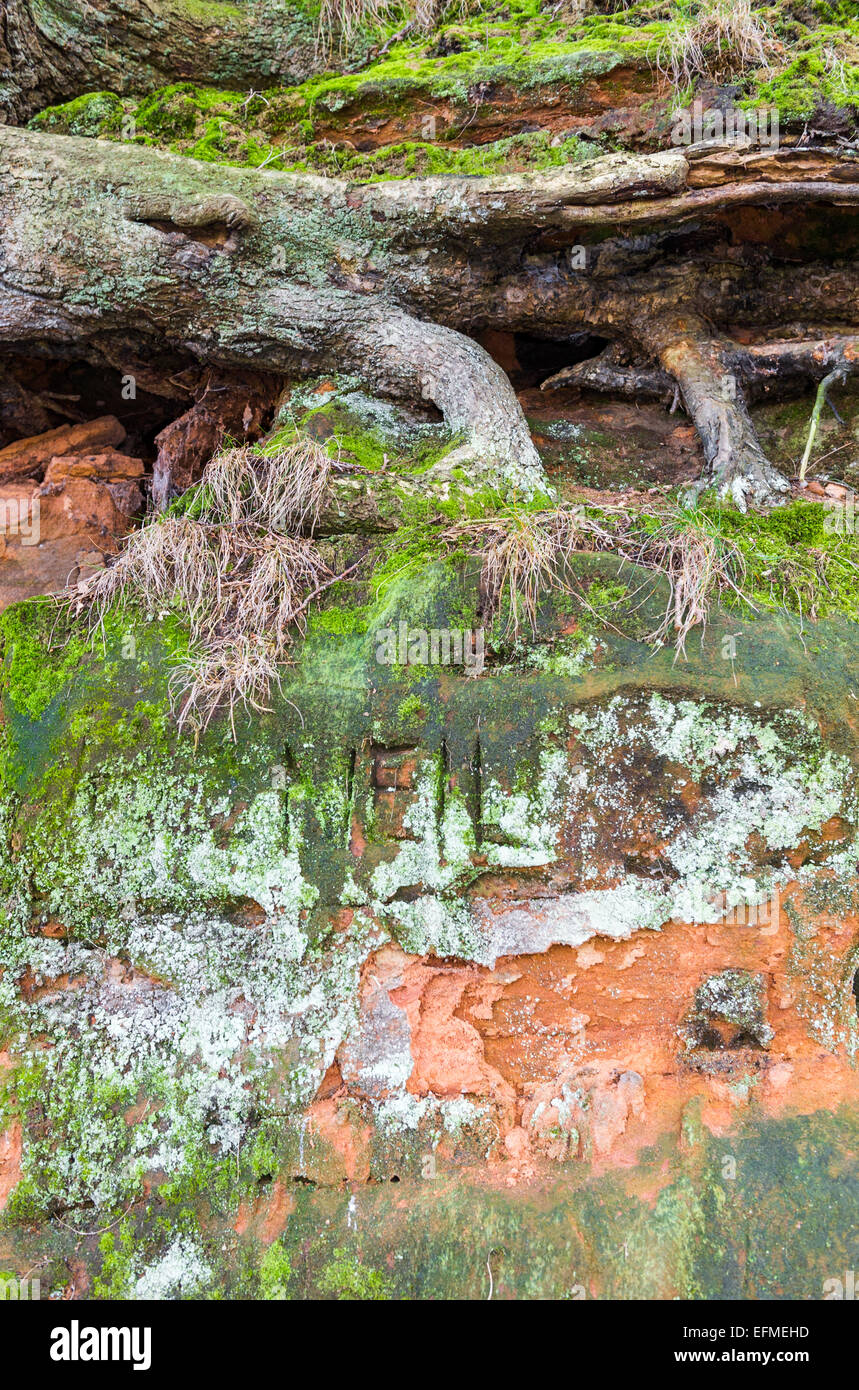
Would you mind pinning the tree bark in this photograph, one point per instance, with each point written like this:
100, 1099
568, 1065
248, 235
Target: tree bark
736, 463
52, 50
759, 367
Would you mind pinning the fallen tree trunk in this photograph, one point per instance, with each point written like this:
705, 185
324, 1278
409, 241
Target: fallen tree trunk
122, 254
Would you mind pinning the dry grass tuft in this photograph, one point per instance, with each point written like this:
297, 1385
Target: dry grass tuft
699, 567
722, 39
525, 555
339, 20
838, 61
281, 491
242, 585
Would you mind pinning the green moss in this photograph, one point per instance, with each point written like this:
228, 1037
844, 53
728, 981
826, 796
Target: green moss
526, 47
171, 113
339, 622
822, 69
533, 151
116, 1277
275, 1273
793, 558
365, 448
603, 600
40, 654
346, 1280
788, 560
59, 682
211, 11
355, 430
214, 145
94, 114
467, 61
409, 709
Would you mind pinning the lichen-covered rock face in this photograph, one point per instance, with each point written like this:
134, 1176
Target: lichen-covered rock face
410, 926
520, 962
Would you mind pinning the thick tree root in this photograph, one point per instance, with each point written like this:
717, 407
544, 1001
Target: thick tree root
760, 367
613, 374
736, 464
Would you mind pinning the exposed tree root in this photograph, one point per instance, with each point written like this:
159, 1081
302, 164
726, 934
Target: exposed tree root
736, 464
612, 373
121, 253
762, 368
710, 377
704, 373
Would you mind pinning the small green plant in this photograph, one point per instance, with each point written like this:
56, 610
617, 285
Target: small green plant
409, 709
349, 1281
117, 1270
275, 1272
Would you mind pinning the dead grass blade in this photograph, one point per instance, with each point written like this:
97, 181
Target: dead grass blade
241, 582
526, 555
723, 38
340, 20
699, 568
283, 490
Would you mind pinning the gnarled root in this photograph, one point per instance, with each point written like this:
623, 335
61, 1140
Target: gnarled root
707, 376
401, 355
735, 462
612, 372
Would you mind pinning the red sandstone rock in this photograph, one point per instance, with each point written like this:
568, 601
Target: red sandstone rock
80, 506
52, 535
579, 1053
109, 467
31, 455
11, 1142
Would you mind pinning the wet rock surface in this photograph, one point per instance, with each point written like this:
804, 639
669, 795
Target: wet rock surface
513, 940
